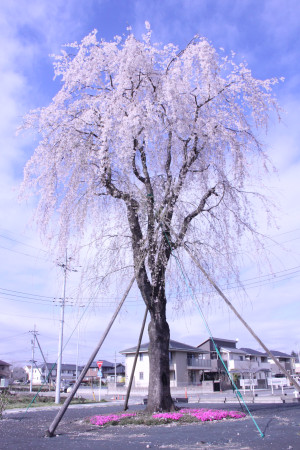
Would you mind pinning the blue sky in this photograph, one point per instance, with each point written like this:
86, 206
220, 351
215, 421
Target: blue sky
267, 35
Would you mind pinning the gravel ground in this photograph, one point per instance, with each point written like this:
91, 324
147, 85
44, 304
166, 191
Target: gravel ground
279, 422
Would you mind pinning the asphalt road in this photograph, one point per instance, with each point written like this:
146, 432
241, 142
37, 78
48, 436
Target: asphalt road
279, 422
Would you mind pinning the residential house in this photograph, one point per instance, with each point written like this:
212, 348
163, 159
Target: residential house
259, 369
187, 364
285, 360
4, 373
44, 372
202, 365
228, 351
248, 367
295, 363
108, 372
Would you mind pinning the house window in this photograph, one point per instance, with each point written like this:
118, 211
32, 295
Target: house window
141, 375
141, 356
241, 358
170, 357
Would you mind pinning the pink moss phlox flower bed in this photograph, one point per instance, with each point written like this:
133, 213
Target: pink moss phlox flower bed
203, 415
213, 414
102, 420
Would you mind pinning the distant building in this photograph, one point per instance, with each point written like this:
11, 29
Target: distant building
187, 364
44, 372
4, 373
202, 366
247, 367
108, 372
285, 360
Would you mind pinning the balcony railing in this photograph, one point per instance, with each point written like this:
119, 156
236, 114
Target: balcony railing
199, 363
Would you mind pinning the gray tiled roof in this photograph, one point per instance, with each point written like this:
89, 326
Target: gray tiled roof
250, 351
106, 364
3, 363
53, 366
218, 340
279, 354
173, 346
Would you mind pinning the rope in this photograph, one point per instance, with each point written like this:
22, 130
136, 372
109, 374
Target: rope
188, 285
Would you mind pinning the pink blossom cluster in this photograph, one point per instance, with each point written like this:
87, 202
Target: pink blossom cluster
202, 414
212, 414
102, 420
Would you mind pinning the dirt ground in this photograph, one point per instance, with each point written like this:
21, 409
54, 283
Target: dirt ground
279, 422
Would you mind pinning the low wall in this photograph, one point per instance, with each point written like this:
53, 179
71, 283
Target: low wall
205, 387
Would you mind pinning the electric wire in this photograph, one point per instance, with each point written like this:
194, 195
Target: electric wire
23, 243
253, 282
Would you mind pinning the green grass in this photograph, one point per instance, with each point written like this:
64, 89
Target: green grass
13, 401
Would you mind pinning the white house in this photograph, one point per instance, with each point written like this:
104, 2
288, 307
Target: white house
41, 372
187, 364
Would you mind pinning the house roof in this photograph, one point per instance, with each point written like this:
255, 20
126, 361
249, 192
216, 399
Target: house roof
279, 354
217, 340
3, 363
173, 346
105, 364
119, 369
250, 351
63, 366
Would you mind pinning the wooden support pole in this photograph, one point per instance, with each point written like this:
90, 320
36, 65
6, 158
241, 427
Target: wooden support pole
61, 412
135, 360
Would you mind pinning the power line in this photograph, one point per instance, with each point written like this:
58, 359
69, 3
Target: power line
26, 293
254, 282
24, 254
111, 300
30, 317
15, 336
22, 243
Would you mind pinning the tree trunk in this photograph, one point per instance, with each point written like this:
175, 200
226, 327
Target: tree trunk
153, 293
159, 394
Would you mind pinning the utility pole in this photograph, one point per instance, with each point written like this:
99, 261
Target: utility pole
78, 338
77, 351
61, 331
115, 371
32, 361
46, 367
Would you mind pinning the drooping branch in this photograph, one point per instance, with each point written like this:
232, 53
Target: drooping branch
200, 208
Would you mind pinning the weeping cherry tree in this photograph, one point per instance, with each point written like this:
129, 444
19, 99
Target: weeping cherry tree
161, 139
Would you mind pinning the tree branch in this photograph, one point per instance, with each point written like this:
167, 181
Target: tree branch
134, 168
187, 220
150, 210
